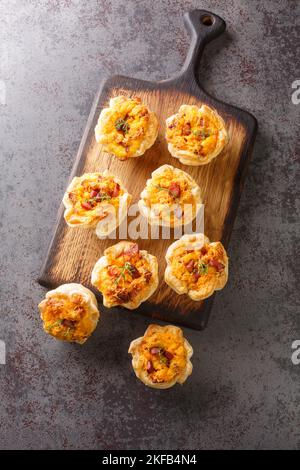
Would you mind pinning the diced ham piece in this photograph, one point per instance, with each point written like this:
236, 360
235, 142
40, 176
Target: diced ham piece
99, 195
155, 351
216, 264
196, 275
168, 355
93, 193
68, 323
116, 190
132, 250
203, 250
174, 189
134, 272
123, 296
190, 266
186, 129
87, 205
150, 367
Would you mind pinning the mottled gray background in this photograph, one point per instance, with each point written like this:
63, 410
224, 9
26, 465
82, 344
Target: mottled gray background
244, 391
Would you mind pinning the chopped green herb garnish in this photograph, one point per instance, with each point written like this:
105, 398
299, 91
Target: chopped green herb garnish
202, 133
127, 267
161, 188
122, 125
131, 269
163, 358
54, 324
66, 333
202, 268
101, 197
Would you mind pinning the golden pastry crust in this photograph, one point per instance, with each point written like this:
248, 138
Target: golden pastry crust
195, 135
171, 197
196, 267
125, 275
161, 357
70, 313
127, 128
96, 200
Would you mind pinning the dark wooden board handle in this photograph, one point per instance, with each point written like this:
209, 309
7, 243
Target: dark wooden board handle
203, 27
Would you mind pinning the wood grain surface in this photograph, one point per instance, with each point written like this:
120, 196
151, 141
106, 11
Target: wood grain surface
74, 251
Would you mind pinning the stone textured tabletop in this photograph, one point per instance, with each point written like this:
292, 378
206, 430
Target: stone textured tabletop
244, 391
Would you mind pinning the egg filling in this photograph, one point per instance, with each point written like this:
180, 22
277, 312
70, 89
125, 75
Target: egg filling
66, 317
198, 267
163, 353
124, 276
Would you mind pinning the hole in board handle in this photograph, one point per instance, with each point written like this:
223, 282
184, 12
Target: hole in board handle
207, 20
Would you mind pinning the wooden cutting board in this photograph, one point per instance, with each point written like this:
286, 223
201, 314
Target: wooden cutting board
74, 251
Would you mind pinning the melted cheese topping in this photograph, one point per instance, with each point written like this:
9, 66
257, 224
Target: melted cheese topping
93, 192
194, 131
124, 276
172, 190
66, 317
164, 354
196, 268
125, 127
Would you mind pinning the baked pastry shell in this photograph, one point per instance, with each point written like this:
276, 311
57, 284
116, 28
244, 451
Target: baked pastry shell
149, 213
193, 241
114, 217
137, 362
189, 158
70, 289
105, 115
114, 251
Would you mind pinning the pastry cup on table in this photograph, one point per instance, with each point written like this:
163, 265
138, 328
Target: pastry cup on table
196, 266
96, 200
196, 135
70, 313
127, 128
171, 197
161, 357
125, 275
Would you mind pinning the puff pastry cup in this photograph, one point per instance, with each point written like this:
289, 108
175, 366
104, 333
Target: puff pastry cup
125, 275
171, 197
96, 200
195, 135
70, 313
196, 266
161, 357
127, 128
